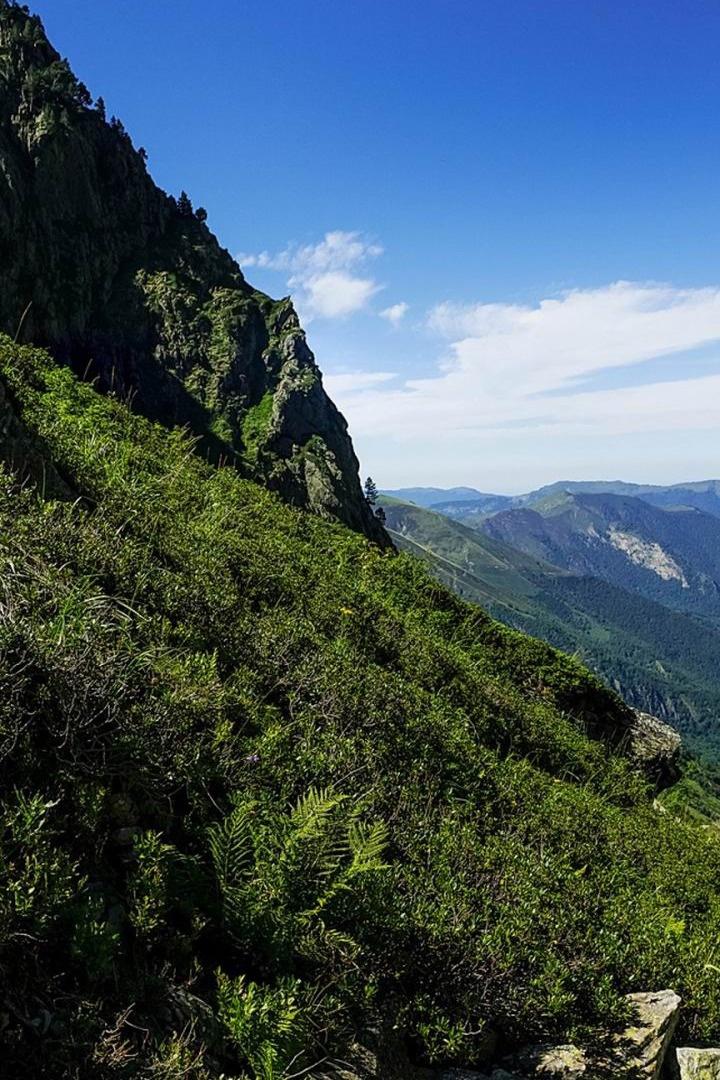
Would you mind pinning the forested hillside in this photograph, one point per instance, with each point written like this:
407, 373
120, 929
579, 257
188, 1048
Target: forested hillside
668, 555
661, 661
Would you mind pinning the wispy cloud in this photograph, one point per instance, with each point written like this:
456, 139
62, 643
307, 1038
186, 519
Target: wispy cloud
520, 373
395, 313
323, 277
565, 339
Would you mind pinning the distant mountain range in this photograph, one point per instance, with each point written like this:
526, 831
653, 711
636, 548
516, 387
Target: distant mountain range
460, 502
631, 582
669, 555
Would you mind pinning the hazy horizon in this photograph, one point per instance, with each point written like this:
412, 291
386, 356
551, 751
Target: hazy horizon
484, 489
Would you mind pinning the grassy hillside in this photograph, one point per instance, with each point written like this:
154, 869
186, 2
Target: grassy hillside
265, 785
661, 661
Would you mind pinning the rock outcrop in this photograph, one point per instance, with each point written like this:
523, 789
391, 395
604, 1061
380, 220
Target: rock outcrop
564, 1062
655, 746
131, 288
698, 1064
637, 1053
640, 1050
650, 743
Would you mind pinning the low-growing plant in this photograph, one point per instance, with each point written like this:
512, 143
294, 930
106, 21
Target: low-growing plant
266, 786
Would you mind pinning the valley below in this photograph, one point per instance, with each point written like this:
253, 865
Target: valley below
628, 583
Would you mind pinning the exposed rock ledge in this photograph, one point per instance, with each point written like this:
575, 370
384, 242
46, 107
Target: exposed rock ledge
640, 1052
655, 746
695, 1064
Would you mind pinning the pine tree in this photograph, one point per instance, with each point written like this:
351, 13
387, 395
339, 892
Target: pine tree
380, 515
371, 492
185, 207
100, 106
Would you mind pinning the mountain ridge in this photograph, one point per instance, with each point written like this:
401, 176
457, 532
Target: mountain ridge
701, 494
667, 554
660, 661
129, 286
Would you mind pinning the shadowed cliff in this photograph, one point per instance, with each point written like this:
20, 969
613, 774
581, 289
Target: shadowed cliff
131, 288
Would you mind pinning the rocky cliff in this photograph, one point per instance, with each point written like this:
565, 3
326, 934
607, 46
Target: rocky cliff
131, 288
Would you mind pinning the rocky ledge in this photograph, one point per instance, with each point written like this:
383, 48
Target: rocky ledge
655, 746
642, 1051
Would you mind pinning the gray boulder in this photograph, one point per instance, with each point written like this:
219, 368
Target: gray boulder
655, 747
640, 1050
698, 1064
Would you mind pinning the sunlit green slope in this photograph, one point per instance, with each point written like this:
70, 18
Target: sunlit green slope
265, 786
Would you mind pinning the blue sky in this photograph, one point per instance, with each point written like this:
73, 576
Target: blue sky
484, 174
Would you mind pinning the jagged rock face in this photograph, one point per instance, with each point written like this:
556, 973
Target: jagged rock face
130, 287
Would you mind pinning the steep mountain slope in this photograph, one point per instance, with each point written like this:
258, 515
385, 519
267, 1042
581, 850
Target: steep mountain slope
267, 788
131, 287
672, 556
660, 661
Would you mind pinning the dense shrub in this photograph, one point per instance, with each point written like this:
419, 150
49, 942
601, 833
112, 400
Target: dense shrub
265, 786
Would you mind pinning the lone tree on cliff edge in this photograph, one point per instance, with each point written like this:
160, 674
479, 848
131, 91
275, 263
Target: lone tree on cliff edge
184, 205
371, 492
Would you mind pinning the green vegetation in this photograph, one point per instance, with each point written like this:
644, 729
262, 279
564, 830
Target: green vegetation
256, 423
695, 797
266, 786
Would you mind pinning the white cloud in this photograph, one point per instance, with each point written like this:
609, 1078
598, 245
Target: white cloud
351, 382
395, 313
322, 276
334, 294
565, 339
515, 378
264, 259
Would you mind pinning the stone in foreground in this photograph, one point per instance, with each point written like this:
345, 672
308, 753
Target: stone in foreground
698, 1064
640, 1050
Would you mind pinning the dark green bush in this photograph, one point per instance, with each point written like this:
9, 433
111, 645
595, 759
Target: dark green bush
265, 785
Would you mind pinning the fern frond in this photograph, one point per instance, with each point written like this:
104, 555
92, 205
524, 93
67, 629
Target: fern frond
368, 844
231, 845
322, 944
313, 809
